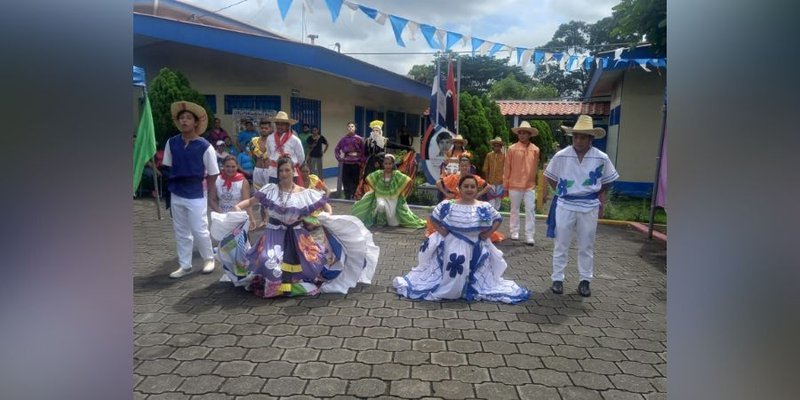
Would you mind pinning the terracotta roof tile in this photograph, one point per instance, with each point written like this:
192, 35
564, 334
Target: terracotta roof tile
552, 108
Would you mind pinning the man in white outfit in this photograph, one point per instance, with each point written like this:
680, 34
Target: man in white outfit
579, 174
192, 159
284, 142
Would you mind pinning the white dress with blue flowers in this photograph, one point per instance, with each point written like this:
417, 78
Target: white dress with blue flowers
460, 265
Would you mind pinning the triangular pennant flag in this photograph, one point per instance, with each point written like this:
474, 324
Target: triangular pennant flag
643, 63
351, 5
587, 63
581, 59
495, 49
538, 57
371, 12
526, 57
283, 6
334, 6
509, 49
562, 62
548, 56
381, 18
465, 40
520, 50
413, 27
476, 43
618, 53
452, 38
440, 33
485, 47
429, 32
398, 24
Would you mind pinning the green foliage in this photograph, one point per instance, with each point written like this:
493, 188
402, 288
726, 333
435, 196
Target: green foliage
166, 88
496, 120
474, 126
544, 140
509, 88
624, 208
642, 18
478, 73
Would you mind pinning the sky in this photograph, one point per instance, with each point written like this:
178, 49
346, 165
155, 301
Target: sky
523, 23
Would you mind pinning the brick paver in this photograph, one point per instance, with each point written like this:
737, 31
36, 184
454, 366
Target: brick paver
200, 338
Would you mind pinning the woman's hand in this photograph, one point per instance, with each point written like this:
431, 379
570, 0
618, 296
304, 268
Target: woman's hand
486, 234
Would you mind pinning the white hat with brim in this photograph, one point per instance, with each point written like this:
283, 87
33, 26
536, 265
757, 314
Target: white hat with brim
496, 140
199, 112
460, 139
525, 126
281, 116
586, 126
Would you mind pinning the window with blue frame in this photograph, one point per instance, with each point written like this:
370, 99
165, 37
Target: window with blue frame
394, 120
413, 125
251, 102
211, 100
358, 118
306, 111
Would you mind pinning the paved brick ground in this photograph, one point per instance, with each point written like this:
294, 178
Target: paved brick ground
197, 338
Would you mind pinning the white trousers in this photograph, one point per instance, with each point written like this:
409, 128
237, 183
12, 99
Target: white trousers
496, 201
388, 207
584, 224
190, 220
517, 197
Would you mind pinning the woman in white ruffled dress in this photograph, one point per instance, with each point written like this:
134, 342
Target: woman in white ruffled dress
458, 261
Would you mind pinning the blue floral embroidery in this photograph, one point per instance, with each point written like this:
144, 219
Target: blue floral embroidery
456, 265
594, 176
484, 214
444, 210
563, 185
424, 245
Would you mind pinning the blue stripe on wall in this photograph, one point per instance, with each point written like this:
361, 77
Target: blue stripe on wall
633, 189
614, 115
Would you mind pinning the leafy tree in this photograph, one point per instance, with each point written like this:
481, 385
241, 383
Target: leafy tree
166, 88
643, 18
509, 88
474, 126
496, 120
478, 73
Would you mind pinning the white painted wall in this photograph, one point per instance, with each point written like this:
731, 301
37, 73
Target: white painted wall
212, 72
642, 96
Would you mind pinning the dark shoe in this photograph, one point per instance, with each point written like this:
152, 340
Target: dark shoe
583, 289
558, 287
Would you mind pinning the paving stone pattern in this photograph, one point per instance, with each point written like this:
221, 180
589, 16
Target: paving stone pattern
198, 338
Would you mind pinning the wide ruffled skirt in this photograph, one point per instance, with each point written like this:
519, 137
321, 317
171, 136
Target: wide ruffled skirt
459, 266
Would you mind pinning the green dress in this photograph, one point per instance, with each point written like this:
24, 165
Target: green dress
385, 204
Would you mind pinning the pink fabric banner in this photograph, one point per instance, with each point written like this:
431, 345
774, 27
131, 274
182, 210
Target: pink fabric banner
661, 195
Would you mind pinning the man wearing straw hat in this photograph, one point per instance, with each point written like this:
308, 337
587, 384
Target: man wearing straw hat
578, 173
493, 166
519, 180
192, 159
284, 142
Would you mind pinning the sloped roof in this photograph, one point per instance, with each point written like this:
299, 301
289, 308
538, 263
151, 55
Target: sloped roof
553, 108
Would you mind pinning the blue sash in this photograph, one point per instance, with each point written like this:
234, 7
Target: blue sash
551, 216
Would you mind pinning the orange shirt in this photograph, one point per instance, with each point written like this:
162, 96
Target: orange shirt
493, 167
521, 167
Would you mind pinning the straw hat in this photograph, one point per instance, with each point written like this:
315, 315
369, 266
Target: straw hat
525, 126
586, 126
199, 113
281, 116
459, 138
375, 123
496, 140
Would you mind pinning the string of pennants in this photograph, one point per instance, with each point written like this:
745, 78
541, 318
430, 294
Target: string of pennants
441, 39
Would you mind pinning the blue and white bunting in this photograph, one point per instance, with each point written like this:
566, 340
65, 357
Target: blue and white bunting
398, 24
334, 6
283, 6
429, 32
452, 38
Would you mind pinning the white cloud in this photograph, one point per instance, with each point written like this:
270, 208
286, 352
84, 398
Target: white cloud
512, 22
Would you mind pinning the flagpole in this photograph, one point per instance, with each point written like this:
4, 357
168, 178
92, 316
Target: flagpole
458, 90
658, 170
156, 188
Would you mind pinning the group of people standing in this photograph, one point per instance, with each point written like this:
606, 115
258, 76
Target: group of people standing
306, 249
